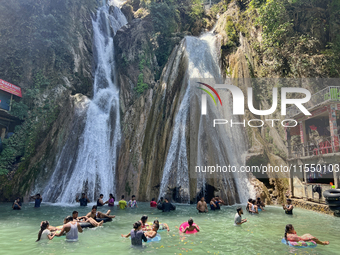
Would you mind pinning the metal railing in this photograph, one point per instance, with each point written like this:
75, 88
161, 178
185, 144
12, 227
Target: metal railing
326, 146
328, 94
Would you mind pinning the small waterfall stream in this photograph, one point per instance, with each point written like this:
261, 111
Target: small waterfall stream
93, 169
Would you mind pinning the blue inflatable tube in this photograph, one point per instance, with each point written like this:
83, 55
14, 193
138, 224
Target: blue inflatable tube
300, 244
157, 238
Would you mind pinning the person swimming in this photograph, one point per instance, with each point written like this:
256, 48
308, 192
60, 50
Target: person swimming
44, 232
290, 235
191, 227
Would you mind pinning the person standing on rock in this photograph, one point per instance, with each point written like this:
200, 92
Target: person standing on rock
289, 207
202, 206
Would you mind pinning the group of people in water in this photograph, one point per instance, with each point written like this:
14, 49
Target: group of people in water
143, 230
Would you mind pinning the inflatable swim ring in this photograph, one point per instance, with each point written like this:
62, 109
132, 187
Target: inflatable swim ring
157, 238
300, 244
183, 226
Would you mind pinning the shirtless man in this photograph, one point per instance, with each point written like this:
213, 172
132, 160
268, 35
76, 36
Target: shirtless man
94, 214
213, 204
202, 206
71, 228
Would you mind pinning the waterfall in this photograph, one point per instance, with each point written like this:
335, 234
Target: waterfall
92, 168
223, 146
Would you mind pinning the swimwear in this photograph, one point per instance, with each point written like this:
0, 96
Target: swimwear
212, 207
153, 204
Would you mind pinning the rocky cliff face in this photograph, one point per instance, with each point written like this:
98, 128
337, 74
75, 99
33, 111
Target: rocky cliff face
55, 63
47, 50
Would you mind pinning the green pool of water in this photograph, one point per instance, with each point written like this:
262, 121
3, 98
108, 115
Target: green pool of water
262, 234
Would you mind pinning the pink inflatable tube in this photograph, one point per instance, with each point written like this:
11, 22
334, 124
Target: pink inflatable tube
183, 226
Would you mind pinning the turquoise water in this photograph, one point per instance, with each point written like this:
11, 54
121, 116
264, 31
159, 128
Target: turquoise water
262, 234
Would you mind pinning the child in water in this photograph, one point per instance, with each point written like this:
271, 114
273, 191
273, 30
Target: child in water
191, 227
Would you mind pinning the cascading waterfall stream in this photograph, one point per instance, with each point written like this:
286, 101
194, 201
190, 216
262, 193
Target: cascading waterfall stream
228, 145
93, 171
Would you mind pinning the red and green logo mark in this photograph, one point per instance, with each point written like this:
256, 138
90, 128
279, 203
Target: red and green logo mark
209, 93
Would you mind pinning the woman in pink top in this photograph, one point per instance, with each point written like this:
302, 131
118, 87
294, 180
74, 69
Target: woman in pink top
290, 235
111, 201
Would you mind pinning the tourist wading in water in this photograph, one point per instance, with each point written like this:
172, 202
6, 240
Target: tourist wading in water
238, 217
289, 207
122, 203
290, 235
100, 201
166, 206
142, 221
153, 203
17, 204
37, 200
137, 235
83, 200
111, 201
202, 206
133, 203
44, 232
260, 204
71, 228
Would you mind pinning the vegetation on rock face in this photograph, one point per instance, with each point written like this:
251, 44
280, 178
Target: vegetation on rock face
42, 42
